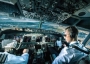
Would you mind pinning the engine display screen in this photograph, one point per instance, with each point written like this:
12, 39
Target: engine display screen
27, 39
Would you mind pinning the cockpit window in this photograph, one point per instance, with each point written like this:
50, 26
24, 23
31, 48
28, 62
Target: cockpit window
82, 36
88, 44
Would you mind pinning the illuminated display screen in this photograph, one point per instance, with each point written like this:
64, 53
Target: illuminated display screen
38, 39
47, 39
27, 39
18, 38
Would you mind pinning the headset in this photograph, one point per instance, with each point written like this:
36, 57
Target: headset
73, 31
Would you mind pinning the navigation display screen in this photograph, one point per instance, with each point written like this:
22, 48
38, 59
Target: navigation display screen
27, 39
38, 39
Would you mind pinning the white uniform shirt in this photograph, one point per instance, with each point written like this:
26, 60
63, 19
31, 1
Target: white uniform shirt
69, 55
13, 59
58, 43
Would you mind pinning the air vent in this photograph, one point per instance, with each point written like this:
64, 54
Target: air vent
71, 21
81, 13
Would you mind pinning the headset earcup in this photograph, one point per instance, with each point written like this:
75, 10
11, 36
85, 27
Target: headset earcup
72, 35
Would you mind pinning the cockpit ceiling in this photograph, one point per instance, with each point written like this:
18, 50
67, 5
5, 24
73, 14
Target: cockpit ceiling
49, 10
56, 11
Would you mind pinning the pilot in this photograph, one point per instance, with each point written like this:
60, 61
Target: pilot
8, 58
68, 54
58, 42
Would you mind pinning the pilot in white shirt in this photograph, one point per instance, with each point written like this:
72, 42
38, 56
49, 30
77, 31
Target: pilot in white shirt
58, 42
8, 58
69, 55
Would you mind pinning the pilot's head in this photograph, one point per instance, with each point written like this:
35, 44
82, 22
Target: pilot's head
71, 33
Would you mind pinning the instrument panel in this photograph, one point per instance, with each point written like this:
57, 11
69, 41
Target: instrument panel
32, 40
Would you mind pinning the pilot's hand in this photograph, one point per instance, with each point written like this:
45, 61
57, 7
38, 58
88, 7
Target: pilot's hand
25, 50
64, 45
